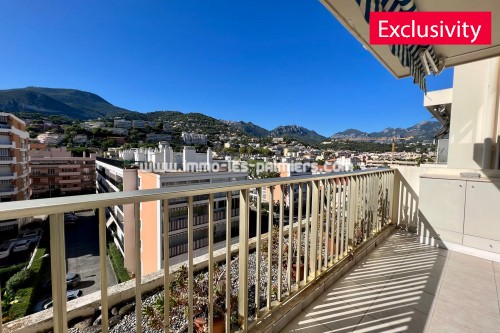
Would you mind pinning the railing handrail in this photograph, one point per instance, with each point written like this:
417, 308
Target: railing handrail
28, 208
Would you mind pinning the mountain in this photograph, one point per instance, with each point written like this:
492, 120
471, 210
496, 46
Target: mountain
248, 128
425, 130
350, 133
62, 102
298, 133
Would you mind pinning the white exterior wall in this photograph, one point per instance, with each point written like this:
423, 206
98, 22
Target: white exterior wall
475, 117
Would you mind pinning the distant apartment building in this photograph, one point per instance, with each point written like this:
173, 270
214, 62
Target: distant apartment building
112, 176
80, 138
152, 137
140, 123
93, 124
55, 172
122, 123
50, 138
14, 171
117, 130
164, 158
194, 138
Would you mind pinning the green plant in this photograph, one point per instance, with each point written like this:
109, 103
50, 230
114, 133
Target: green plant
117, 262
7, 272
179, 298
19, 280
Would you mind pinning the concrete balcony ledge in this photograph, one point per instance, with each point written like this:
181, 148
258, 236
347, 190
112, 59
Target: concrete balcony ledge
88, 305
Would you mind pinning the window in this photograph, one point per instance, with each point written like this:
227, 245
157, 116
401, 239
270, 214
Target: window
52, 172
4, 151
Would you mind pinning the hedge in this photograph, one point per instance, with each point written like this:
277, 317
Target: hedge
7, 272
117, 262
26, 296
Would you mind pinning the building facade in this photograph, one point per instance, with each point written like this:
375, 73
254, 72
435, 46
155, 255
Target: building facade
112, 176
14, 171
55, 172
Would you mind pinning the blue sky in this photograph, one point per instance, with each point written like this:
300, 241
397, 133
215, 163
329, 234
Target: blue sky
269, 62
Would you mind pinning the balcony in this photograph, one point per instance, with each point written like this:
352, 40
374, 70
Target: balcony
70, 181
8, 176
348, 210
7, 160
69, 173
9, 190
343, 276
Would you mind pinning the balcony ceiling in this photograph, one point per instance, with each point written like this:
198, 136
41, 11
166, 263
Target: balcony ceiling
349, 14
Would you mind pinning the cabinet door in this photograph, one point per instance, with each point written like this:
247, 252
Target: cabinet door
441, 204
482, 210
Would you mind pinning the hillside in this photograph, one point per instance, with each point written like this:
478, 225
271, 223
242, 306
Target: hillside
298, 133
82, 105
62, 102
249, 128
424, 130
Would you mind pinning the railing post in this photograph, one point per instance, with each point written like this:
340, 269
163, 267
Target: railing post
307, 239
393, 203
321, 224
291, 198
270, 247
190, 264
257, 251
314, 227
58, 272
299, 238
229, 198
328, 228
138, 269
280, 243
210, 262
104, 276
166, 266
243, 261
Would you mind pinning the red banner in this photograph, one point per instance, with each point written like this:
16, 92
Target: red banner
430, 28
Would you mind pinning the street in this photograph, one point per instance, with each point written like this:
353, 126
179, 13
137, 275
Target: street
82, 253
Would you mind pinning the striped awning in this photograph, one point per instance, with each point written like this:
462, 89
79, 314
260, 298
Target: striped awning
408, 55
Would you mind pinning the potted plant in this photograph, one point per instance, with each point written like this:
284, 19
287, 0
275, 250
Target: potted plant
202, 306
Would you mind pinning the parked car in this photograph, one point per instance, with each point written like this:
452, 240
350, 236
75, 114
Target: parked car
72, 280
70, 218
21, 245
5, 250
47, 303
30, 234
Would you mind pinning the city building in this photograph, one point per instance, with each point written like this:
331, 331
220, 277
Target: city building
14, 171
50, 138
114, 176
194, 138
122, 123
152, 137
55, 172
164, 158
80, 138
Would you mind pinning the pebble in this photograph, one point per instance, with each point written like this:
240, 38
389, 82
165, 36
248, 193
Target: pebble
124, 320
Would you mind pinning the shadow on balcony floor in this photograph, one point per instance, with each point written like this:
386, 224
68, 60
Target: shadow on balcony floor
404, 286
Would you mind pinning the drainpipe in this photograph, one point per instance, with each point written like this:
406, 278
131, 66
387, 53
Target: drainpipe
491, 117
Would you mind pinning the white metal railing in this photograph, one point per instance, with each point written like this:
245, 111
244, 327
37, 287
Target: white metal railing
333, 215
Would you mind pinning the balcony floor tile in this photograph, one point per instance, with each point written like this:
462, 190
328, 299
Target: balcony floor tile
405, 286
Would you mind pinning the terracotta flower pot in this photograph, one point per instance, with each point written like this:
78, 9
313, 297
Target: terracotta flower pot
219, 324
